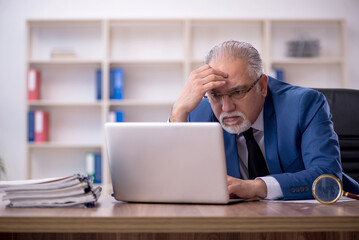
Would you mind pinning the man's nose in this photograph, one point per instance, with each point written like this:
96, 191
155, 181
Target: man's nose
227, 104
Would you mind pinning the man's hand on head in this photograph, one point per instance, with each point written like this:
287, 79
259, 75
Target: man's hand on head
246, 189
199, 82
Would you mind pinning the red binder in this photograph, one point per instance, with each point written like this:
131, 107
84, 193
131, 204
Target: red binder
33, 84
41, 126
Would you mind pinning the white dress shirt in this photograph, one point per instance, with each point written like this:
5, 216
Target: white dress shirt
274, 190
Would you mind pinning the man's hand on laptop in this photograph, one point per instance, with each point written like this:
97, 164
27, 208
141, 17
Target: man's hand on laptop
246, 189
200, 81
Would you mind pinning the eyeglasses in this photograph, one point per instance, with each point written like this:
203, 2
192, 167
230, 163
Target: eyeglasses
233, 95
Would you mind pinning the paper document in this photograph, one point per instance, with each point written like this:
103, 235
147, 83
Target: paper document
51, 192
342, 199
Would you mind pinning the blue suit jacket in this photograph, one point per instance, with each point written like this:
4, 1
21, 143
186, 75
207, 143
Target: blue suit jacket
300, 142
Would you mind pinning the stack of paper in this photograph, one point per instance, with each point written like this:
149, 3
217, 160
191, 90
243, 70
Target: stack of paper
67, 191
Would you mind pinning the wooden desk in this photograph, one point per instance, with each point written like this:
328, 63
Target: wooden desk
248, 220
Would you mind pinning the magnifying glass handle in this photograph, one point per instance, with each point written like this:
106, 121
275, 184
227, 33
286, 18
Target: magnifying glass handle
350, 195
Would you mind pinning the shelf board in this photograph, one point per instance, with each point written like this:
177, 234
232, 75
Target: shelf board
64, 61
60, 145
308, 60
145, 103
54, 22
53, 103
147, 61
305, 20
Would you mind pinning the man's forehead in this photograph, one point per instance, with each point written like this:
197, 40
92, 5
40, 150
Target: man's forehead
230, 64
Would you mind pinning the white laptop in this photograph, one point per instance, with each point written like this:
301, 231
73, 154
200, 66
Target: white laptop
167, 162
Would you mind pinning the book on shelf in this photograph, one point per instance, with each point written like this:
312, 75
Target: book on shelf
98, 84
31, 126
98, 168
116, 116
116, 83
279, 74
94, 166
33, 84
69, 191
41, 126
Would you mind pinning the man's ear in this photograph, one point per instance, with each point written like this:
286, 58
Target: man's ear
263, 83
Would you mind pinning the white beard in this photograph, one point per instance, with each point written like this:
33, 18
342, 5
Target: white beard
234, 127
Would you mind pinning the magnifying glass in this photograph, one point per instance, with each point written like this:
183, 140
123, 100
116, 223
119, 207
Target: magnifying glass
328, 189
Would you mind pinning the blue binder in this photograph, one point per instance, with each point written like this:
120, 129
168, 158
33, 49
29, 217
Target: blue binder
279, 74
116, 83
31, 126
119, 116
98, 168
98, 84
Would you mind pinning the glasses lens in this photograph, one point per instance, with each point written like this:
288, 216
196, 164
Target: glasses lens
237, 95
215, 97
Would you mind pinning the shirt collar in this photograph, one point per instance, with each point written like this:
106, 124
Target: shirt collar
258, 124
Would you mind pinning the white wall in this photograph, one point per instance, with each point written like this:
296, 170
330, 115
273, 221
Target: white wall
13, 14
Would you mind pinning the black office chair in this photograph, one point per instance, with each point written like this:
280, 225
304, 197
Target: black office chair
344, 106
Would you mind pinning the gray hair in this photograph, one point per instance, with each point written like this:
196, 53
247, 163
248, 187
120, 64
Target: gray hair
234, 49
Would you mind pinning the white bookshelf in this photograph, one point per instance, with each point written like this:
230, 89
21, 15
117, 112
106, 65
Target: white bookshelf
157, 57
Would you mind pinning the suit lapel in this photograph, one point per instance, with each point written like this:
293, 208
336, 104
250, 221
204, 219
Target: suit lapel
230, 143
270, 136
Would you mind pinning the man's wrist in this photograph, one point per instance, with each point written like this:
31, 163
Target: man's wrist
274, 190
177, 115
261, 188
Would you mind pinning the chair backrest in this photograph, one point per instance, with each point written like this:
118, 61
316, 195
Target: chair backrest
344, 106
